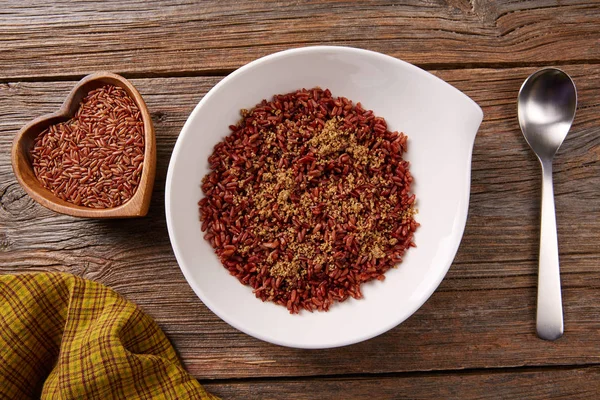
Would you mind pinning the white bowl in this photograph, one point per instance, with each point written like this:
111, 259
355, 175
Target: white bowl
441, 123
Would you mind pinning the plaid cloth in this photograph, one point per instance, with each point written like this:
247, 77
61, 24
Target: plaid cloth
64, 337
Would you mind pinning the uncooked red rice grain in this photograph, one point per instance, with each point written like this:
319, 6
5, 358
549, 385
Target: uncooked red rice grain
307, 198
95, 159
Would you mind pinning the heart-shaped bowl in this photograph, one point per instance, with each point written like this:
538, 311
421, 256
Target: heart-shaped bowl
137, 205
441, 124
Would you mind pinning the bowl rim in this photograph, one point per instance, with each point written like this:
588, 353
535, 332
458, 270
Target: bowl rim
476, 109
137, 206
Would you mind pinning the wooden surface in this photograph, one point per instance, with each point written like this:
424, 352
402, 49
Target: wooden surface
475, 337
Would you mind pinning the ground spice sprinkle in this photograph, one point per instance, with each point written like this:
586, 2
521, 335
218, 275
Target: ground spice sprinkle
309, 197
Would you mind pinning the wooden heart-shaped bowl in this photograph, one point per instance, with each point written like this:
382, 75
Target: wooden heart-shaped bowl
137, 205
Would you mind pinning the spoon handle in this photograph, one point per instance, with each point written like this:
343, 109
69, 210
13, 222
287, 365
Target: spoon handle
549, 301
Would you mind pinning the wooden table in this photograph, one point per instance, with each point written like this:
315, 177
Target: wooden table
475, 337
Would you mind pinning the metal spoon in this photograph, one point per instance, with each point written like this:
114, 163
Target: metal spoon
546, 107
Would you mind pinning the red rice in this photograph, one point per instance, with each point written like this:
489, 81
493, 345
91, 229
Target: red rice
95, 159
308, 197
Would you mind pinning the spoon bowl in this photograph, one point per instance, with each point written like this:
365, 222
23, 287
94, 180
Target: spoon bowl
546, 108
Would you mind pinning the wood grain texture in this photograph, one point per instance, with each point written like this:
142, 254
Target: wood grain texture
572, 384
150, 38
482, 316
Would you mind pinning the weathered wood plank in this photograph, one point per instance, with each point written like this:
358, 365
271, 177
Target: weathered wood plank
481, 316
453, 330
572, 384
139, 37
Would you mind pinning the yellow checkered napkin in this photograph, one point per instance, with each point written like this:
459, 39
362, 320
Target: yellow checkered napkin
64, 337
